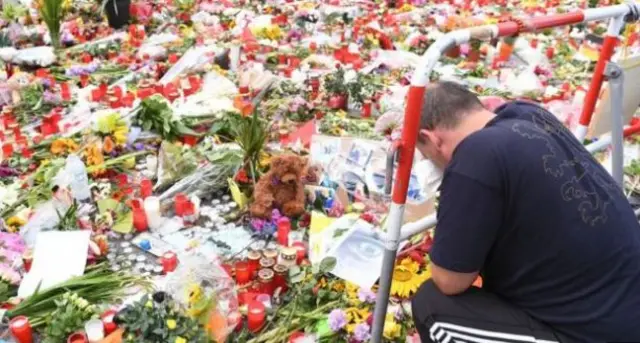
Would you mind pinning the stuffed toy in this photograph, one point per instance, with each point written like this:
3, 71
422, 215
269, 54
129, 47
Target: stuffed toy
281, 188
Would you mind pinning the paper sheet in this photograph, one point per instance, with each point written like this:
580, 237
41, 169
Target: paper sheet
57, 257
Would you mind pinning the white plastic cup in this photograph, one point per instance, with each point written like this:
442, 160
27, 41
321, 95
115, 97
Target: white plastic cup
95, 330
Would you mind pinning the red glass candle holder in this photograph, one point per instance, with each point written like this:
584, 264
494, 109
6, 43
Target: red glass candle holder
169, 262
284, 227
243, 273
21, 329
140, 220
301, 251
114, 102
96, 94
366, 109
107, 320
146, 188
78, 337
180, 204
256, 316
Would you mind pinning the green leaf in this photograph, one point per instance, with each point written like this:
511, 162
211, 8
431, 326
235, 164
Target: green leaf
327, 264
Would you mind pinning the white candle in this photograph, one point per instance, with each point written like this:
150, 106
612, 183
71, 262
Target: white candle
152, 210
95, 330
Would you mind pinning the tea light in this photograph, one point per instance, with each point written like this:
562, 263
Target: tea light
152, 210
256, 316
95, 330
169, 262
21, 329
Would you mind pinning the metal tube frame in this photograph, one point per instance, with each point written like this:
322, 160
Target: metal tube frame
615, 77
406, 145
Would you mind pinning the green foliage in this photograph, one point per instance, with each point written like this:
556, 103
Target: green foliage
68, 220
334, 82
251, 134
52, 13
147, 321
154, 114
69, 316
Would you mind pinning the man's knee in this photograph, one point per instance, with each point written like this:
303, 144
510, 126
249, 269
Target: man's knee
424, 302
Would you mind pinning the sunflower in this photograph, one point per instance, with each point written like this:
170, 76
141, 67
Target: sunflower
407, 278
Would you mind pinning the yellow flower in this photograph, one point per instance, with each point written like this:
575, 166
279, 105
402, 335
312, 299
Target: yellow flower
149, 304
180, 340
171, 324
14, 223
391, 329
407, 278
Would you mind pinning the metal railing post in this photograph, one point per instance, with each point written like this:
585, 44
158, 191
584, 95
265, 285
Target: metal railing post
615, 77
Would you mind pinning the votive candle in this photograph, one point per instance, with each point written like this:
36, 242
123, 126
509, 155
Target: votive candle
107, 320
256, 316
21, 329
284, 227
169, 262
243, 272
152, 209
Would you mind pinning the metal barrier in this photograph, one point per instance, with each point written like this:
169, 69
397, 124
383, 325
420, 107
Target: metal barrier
405, 147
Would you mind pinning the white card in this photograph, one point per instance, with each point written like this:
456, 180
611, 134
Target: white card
57, 257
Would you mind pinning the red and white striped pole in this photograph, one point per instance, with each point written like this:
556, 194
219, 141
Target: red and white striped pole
406, 146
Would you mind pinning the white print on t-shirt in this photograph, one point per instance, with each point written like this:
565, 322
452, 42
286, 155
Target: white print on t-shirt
589, 177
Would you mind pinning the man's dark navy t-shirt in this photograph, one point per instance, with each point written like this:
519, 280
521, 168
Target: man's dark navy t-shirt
525, 204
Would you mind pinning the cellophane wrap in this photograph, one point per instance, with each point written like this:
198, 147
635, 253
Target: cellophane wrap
207, 292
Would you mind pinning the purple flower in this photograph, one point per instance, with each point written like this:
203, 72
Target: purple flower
258, 224
366, 296
49, 97
275, 215
361, 333
337, 320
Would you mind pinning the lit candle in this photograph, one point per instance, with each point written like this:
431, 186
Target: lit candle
180, 202
169, 262
152, 209
95, 330
21, 329
256, 316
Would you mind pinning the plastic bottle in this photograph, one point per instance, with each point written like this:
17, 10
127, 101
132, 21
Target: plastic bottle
79, 181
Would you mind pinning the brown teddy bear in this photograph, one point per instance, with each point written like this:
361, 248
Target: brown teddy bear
282, 188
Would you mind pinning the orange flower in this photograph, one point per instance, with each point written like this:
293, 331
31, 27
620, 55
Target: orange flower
107, 145
58, 147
